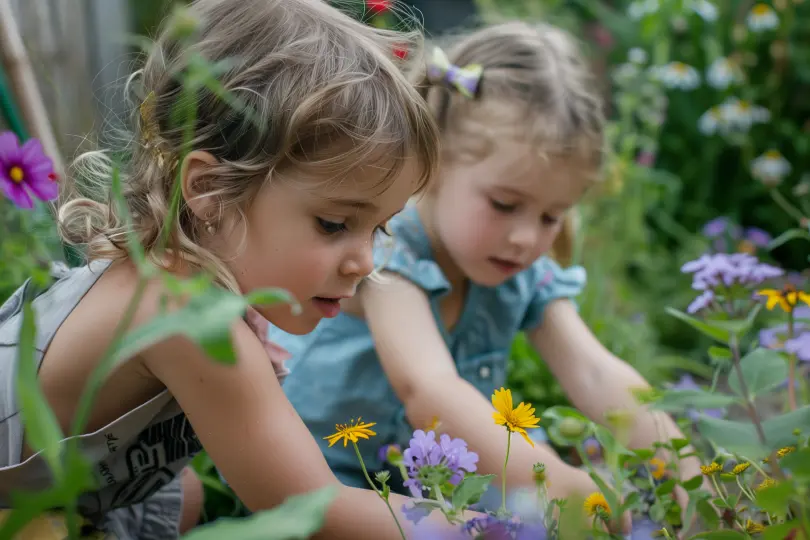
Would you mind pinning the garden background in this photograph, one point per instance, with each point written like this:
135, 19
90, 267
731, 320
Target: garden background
709, 118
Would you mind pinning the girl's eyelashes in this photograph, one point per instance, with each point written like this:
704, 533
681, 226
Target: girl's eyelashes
335, 227
550, 220
330, 227
502, 207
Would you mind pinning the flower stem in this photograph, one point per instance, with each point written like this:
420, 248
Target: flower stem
791, 365
503, 476
791, 210
370, 483
749, 404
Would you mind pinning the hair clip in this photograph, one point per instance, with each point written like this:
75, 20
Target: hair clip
465, 80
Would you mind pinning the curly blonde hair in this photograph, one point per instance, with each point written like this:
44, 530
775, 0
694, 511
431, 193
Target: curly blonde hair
535, 84
320, 94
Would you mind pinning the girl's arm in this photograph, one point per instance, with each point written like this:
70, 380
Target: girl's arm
423, 375
597, 381
254, 436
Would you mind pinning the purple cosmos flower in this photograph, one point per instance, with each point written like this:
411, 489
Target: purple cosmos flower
758, 237
432, 463
688, 383
25, 169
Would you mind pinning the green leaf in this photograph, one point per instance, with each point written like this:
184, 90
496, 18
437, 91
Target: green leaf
719, 355
42, 431
470, 489
631, 501
609, 442
720, 535
741, 437
679, 444
708, 513
775, 499
762, 370
298, 518
693, 483
798, 463
781, 531
556, 415
720, 334
267, 297
682, 400
665, 488
610, 495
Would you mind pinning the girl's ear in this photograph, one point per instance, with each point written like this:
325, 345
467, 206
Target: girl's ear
193, 181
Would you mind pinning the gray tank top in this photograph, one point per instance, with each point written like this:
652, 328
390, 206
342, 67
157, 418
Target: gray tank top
132, 457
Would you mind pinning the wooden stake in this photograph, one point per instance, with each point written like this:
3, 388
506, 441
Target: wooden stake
24, 85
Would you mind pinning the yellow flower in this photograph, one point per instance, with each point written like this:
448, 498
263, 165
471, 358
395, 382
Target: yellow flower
596, 504
768, 482
752, 527
786, 299
658, 468
782, 452
353, 431
516, 420
740, 468
710, 469
434, 424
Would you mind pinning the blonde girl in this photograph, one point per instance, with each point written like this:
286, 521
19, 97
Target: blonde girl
286, 193
468, 267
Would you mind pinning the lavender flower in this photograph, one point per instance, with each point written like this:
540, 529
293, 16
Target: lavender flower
721, 271
719, 226
800, 346
415, 513
758, 237
389, 453
25, 169
432, 464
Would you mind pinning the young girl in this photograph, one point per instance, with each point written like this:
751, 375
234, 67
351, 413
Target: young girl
465, 271
289, 196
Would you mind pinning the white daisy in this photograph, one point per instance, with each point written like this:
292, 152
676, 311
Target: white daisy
639, 9
740, 115
706, 10
803, 187
677, 75
637, 55
624, 73
770, 168
722, 73
761, 18
711, 121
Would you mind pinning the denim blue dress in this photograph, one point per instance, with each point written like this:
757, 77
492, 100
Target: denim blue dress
336, 374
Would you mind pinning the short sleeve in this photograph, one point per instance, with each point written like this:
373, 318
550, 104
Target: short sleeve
394, 254
549, 282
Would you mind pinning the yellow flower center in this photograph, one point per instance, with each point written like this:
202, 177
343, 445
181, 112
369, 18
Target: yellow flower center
773, 154
744, 105
760, 9
16, 174
680, 67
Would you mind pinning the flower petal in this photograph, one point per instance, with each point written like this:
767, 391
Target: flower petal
525, 436
9, 147
15, 193
44, 188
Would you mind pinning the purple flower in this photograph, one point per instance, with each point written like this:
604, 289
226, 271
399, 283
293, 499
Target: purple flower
800, 346
389, 453
701, 302
711, 271
415, 513
719, 226
25, 168
644, 529
493, 528
758, 237
592, 448
433, 464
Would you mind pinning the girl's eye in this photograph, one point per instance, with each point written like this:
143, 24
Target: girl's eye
330, 227
550, 220
502, 207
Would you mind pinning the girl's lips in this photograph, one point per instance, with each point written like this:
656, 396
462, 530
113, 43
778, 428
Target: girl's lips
329, 307
507, 267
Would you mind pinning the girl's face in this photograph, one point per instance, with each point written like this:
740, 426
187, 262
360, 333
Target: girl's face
494, 217
314, 242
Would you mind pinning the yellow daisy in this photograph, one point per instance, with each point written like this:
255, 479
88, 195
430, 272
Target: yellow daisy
516, 420
353, 431
658, 468
768, 482
711, 469
740, 468
752, 527
596, 504
782, 452
786, 298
